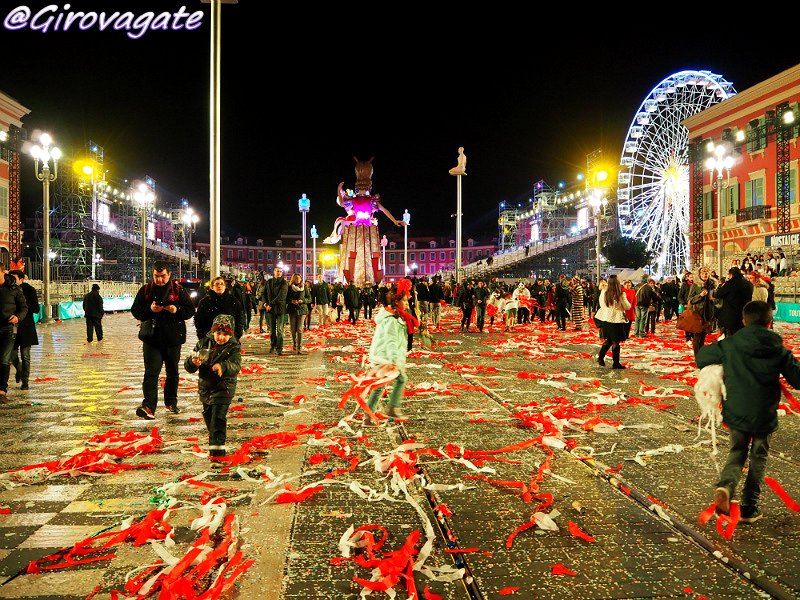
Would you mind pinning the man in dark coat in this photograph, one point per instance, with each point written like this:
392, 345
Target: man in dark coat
480, 296
168, 303
273, 299
93, 311
352, 301
26, 332
321, 298
219, 301
734, 293
435, 297
669, 296
13, 309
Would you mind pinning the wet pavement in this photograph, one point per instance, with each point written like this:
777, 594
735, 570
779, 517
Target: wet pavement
527, 470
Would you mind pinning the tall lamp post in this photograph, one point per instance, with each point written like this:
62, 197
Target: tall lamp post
407, 221
190, 219
304, 205
314, 236
598, 202
144, 196
719, 162
384, 243
44, 153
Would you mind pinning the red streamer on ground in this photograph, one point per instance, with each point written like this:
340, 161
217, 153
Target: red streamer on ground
507, 591
782, 494
579, 533
429, 595
559, 569
297, 496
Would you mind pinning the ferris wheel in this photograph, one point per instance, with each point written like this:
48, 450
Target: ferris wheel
653, 192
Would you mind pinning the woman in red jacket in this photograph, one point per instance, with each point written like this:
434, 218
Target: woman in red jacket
630, 294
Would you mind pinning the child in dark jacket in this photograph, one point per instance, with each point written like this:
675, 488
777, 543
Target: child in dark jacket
752, 360
217, 357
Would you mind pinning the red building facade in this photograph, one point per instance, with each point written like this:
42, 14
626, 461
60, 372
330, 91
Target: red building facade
759, 129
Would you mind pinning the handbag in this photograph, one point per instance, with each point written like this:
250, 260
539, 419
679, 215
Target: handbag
690, 322
147, 330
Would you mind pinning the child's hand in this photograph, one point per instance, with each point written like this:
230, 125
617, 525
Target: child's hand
196, 361
217, 368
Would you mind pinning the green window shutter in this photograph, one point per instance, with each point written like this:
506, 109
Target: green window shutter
748, 194
758, 197
3, 202
793, 186
732, 204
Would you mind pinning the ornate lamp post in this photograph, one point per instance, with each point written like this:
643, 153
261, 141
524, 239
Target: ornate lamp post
304, 205
44, 153
719, 162
407, 221
598, 202
314, 236
190, 219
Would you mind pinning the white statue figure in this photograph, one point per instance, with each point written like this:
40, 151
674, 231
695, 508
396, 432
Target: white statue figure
461, 167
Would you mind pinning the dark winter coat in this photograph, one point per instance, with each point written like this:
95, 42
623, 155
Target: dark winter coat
703, 305
321, 293
170, 328
352, 297
752, 359
301, 307
12, 302
214, 304
466, 298
647, 296
274, 295
423, 293
368, 296
214, 389
436, 293
734, 293
562, 295
26, 328
93, 305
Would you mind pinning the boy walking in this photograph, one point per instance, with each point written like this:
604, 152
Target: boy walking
217, 357
752, 360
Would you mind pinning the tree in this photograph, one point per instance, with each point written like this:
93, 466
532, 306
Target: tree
628, 253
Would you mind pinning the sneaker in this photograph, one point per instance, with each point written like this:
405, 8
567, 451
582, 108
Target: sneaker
750, 514
145, 413
173, 408
24, 386
722, 500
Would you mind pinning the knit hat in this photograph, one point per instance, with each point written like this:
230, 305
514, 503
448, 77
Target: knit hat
223, 323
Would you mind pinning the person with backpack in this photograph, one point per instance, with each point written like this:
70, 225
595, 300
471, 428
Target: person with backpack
164, 302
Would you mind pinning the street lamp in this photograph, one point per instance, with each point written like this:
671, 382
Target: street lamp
719, 162
598, 202
407, 221
190, 219
314, 236
384, 243
144, 196
42, 152
303, 205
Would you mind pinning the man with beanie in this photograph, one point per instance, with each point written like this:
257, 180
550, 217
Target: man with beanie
93, 311
168, 304
217, 357
734, 293
26, 331
13, 309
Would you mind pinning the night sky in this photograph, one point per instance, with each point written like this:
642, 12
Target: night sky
300, 99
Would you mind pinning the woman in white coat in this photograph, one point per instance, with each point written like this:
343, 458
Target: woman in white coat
611, 314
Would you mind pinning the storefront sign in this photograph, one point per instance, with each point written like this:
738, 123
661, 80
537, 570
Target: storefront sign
782, 240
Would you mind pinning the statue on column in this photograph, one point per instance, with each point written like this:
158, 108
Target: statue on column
360, 249
461, 167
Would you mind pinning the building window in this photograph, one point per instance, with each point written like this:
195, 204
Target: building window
250, 254
452, 256
422, 269
469, 255
412, 256
756, 136
708, 205
392, 256
433, 244
792, 187
279, 243
470, 243
391, 269
298, 256
754, 192
422, 256
230, 254
270, 256
731, 203
241, 254
4, 200
441, 256
392, 245
260, 255
412, 244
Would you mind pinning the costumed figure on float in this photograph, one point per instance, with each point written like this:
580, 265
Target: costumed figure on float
360, 250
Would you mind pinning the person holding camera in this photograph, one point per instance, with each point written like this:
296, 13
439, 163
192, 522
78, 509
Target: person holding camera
166, 306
